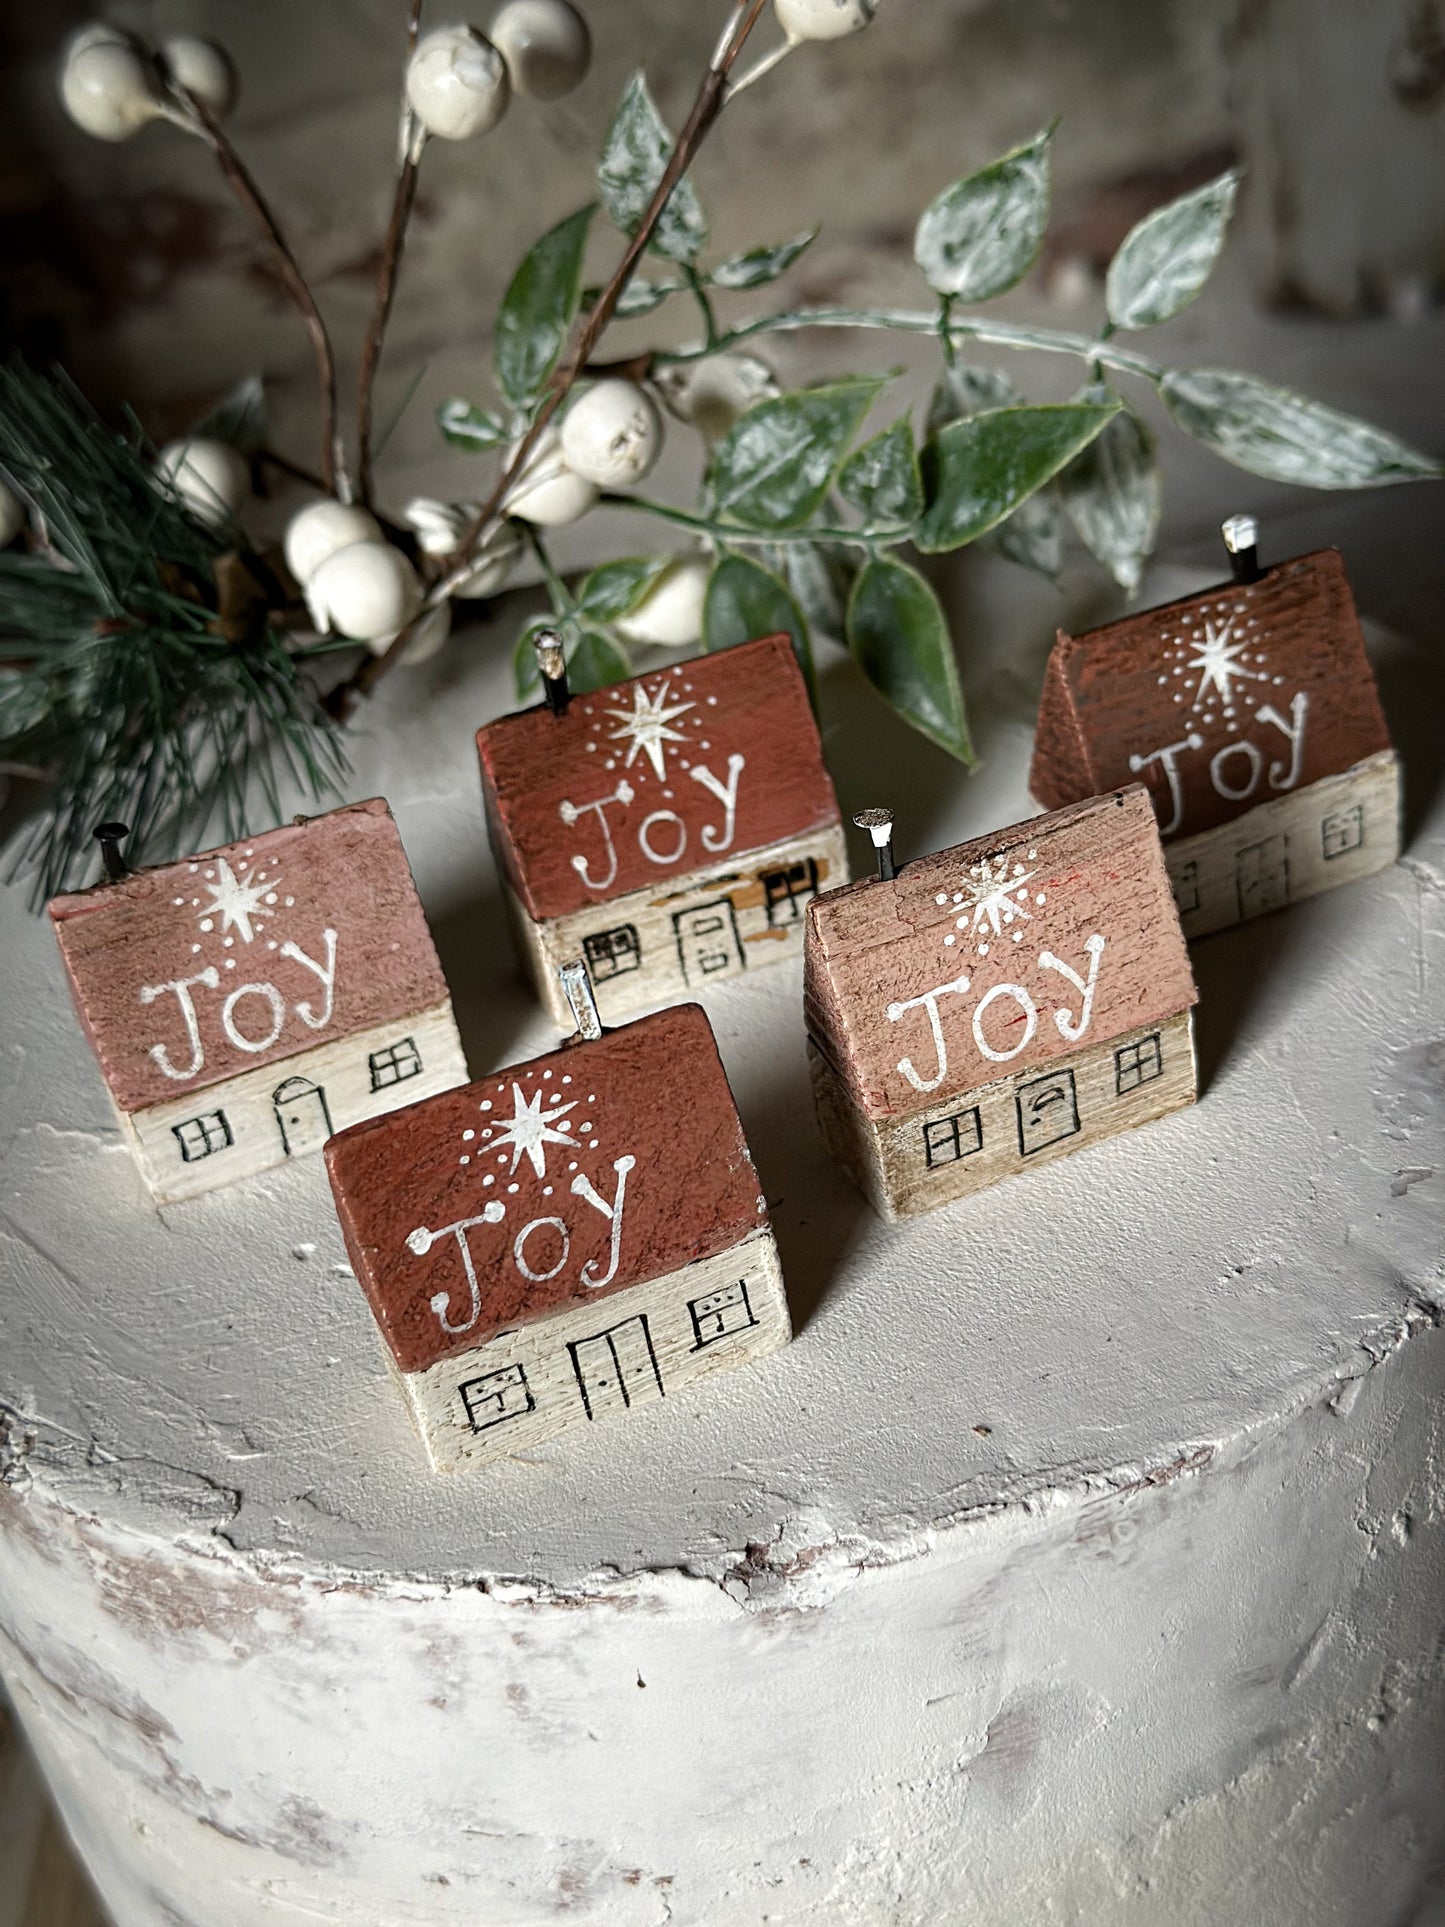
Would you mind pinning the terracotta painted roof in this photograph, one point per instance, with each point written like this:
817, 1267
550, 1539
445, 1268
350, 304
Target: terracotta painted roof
284, 941
531, 1162
1217, 702
631, 786
997, 956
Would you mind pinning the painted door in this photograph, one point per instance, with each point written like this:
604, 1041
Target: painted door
1262, 874
707, 941
616, 1369
1048, 1109
301, 1115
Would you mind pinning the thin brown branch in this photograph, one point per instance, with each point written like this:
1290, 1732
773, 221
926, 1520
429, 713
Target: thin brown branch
387, 271
709, 102
238, 179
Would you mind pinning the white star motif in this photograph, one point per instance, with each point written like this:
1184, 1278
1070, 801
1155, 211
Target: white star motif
647, 727
1219, 663
992, 896
530, 1129
236, 899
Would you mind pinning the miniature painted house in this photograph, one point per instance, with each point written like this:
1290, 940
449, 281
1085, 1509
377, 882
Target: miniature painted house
1000, 1004
564, 1241
671, 830
248, 1002
1251, 714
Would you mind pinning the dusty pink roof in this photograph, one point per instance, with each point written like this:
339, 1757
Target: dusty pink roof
298, 936
1031, 943
632, 785
545, 1145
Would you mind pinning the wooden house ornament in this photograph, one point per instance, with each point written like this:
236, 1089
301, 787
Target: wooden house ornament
671, 829
248, 1001
989, 1008
1251, 715
563, 1241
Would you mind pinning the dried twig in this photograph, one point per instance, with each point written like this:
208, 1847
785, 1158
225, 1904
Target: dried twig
705, 109
238, 178
412, 142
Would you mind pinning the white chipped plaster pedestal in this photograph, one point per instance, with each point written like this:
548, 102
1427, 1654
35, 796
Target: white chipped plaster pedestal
1081, 1561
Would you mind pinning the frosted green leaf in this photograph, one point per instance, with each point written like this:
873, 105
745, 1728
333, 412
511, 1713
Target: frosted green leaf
616, 588
1112, 493
746, 601
775, 465
899, 638
1285, 437
881, 478
1033, 536
1166, 259
982, 468
539, 307
981, 235
465, 425
963, 390
761, 265
634, 157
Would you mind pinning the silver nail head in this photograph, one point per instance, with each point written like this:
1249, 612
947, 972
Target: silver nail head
577, 983
878, 824
551, 655
1240, 532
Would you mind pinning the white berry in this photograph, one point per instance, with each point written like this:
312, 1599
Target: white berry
13, 515
426, 638
548, 493
671, 612
203, 69
612, 434
440, 526
210, 478
823, 19
316, 532
712, 394
368, 592
108, 86
457, 83
546, 45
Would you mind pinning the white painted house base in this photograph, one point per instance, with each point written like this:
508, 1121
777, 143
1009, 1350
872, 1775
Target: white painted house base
263, 1117
664, 945
601, 1360
1014, 1124
1292, 847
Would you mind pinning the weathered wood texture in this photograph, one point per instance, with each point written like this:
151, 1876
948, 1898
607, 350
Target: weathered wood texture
1330, 832
1011, 950
265, 1117
1011, 1125
1218, 703
654, 778
186, 974
596, 1361
665, 942
555, 1183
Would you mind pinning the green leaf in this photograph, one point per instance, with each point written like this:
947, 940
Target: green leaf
964, 391
760, 265
597, 661
634, 157
641, 297
539, 307
1033, 536
982, 468
238, 418
1167, 257
881, 478
526, 676
900, 640
1112, 493
981, 235
617, 587
746, 601
777, 462
466, 426
1285, 437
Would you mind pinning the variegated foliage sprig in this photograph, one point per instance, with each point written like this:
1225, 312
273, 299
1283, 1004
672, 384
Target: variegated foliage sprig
810, 518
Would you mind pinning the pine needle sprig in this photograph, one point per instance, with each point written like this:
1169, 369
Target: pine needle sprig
119, 675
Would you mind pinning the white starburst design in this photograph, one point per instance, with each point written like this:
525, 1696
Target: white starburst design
993, 894
530, 1129
237, 901
647, 727
1220, 662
